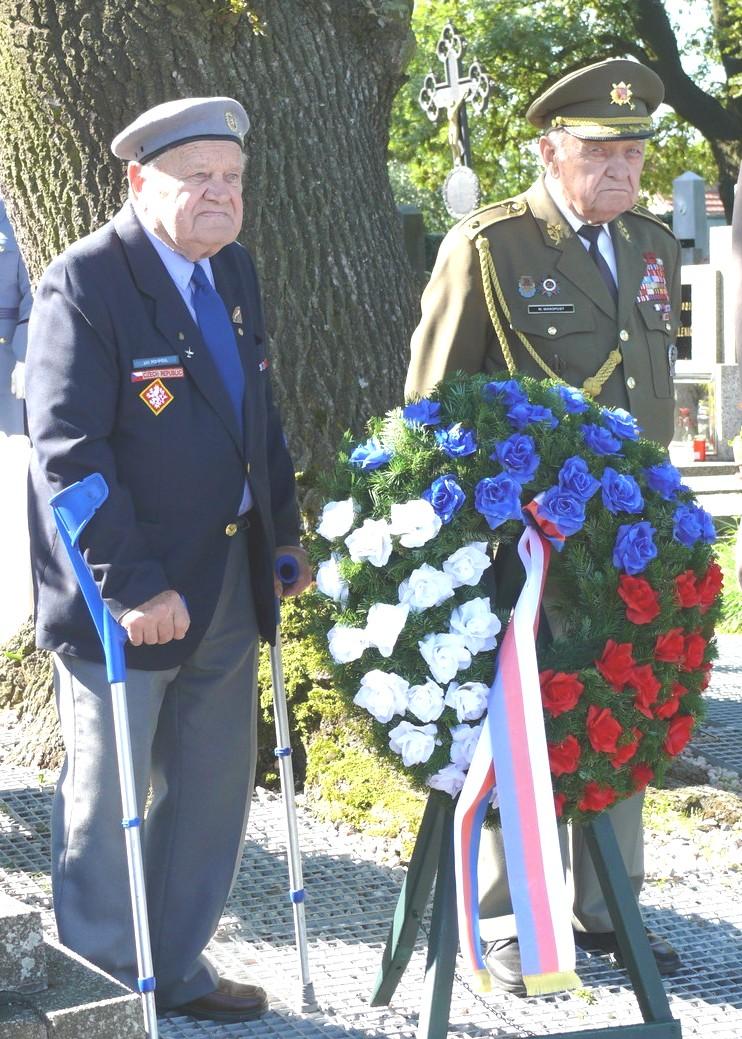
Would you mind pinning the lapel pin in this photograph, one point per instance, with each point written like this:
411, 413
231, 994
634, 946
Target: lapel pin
189, 352
237, 315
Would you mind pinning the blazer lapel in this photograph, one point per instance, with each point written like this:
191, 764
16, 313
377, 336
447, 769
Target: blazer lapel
630, 267
173, 319
573, 260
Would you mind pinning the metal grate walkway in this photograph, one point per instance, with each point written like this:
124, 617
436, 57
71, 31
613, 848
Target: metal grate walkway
350, 900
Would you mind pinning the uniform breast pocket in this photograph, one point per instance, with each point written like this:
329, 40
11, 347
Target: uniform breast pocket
552, 322
563, 339
659, 344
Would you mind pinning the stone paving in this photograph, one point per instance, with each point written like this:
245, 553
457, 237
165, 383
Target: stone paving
350, 901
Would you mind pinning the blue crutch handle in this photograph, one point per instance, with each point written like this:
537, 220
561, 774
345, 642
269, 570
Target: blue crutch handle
73, 508
287, 570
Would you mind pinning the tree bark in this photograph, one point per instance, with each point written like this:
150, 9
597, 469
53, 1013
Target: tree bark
318, 84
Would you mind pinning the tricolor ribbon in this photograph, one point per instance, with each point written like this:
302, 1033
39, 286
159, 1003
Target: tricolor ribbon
512, 748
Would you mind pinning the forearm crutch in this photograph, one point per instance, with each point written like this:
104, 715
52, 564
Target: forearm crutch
287, 570
73, 508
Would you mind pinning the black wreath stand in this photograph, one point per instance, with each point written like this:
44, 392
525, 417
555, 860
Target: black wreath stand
432, 869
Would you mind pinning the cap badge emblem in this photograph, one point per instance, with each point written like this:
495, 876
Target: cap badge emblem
622, 94
231, 122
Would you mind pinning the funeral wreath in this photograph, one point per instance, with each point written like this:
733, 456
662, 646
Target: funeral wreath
404, 552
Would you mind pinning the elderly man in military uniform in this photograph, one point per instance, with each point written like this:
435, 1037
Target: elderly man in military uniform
15, 307
573, 280
148, 363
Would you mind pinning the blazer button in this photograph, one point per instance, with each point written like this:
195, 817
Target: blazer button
623, 335
631, 382
230, 530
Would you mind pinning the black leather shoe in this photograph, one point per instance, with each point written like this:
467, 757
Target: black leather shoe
665, 956
502, 959
229, 1002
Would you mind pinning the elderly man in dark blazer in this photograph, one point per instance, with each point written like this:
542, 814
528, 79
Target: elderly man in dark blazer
148, 363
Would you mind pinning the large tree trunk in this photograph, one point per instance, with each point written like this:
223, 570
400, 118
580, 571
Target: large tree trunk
318, 82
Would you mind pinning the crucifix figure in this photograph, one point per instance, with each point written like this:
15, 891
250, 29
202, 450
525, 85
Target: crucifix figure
453, 93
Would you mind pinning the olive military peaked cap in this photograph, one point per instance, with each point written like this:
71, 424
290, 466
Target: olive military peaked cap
608, 101
177, 122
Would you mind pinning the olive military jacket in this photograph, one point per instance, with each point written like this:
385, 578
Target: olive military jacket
556, 298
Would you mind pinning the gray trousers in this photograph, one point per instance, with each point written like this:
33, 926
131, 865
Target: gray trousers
193, 734
589, 910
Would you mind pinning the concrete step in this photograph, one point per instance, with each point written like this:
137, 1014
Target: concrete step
48, 990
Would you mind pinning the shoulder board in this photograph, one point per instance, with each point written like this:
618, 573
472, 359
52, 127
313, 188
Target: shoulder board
645, 213
475, 223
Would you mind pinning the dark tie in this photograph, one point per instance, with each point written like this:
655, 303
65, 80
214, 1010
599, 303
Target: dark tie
591, 233
216, 329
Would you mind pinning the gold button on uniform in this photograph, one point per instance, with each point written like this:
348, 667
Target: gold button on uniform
230, 530
631, 382
668, 326
623, 335
3, 339
551, 330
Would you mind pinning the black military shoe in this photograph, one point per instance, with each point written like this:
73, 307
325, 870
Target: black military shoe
665, 956
503, 962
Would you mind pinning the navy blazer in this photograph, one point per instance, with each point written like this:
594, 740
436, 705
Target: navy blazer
175, 477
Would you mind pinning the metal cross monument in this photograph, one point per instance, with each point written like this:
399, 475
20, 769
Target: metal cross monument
454, 92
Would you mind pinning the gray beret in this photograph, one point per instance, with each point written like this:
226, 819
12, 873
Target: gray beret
610, 100
177, 122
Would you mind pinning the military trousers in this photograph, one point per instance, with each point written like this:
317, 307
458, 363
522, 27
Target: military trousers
193, 735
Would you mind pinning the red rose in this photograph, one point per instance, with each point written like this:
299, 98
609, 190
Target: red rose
710, 585
559, 801
695, 647
559, 691
642, 775
685, 589
627, 751
640, 597
647, 686
595, 797
602, 729
564, 756
668, 708
616, 663
678, 733
670, 647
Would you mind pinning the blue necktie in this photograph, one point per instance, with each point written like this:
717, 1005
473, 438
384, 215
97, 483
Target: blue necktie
216, 329
591, 233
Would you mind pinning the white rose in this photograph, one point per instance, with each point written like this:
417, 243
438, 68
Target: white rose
414, 742
384, 624
383, 694
330, 582
449, 779
467, 564
417, 522
476, 624
469, 700
444, 655
464, 741
346, 644
425, 701
371, 542
425, 587
336, 519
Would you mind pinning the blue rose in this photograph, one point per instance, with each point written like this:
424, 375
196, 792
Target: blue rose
634, 548
497, 498
422, 413
621, 493
509, 391
573, 400
621, 423
370, 455
576, 478
691, 523
446, 497
664, 479
524, 414
456, 441
518, 455
600, 440
564, 509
